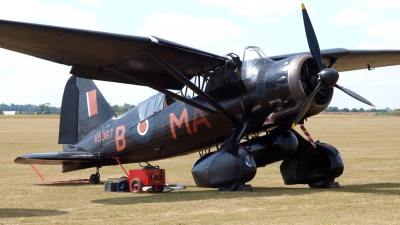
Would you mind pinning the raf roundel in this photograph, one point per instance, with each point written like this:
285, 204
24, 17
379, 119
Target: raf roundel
143, 127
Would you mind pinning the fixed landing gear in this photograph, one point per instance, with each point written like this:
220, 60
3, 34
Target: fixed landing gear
318, 167
328, 183
229, 187
95, 178
321, 184
235, 186
226, 169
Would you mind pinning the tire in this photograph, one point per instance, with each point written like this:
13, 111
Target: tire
229, 187
136, 185
157, 188
321, 184
94, 178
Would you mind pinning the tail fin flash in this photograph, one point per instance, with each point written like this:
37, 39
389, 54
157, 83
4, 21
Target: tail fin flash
83, 109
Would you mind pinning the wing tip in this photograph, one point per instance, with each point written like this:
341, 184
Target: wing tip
19, 160
303, 6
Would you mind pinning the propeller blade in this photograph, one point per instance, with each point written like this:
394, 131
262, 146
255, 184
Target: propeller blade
306, 105
354, 95
311, 38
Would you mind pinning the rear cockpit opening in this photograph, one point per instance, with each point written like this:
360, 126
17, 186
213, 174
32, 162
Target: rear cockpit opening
221, 76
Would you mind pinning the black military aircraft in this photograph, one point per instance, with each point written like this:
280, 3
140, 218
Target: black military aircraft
230, 103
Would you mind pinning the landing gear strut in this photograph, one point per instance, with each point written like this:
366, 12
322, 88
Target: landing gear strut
95, 178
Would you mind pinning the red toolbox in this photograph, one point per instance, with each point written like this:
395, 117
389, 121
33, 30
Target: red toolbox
146, 177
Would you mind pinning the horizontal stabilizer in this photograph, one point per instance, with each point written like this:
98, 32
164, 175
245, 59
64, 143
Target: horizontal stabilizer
55, 158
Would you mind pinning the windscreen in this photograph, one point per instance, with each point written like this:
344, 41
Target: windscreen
253, 59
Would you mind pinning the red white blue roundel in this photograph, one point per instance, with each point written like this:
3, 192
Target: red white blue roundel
143, 127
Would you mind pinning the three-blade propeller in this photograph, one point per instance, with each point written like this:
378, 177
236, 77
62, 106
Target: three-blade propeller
327, 76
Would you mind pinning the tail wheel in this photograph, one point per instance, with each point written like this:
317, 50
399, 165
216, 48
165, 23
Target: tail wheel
95, 178
157, 188
136, 185
321, 184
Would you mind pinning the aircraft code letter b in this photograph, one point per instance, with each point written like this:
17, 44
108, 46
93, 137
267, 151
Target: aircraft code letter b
120, 141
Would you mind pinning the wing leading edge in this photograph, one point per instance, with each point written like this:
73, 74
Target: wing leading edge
346, 60
55, 158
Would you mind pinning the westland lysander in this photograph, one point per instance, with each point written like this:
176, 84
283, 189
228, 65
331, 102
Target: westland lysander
244, 108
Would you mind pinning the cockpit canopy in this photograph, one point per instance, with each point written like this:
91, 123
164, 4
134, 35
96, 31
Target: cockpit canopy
151, 106
253, 60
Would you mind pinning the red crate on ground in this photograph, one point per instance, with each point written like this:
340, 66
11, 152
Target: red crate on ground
146, 177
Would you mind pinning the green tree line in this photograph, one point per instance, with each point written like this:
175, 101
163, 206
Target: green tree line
336, 109
121, 109
46, 108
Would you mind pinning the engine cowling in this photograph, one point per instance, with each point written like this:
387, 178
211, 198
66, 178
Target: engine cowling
283, 87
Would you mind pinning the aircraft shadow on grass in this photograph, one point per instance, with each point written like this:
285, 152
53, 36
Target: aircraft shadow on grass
64, 184
373, 188
22, 212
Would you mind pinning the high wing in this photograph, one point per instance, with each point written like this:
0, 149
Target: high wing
55, 158
346, 60
88, 52
149, 61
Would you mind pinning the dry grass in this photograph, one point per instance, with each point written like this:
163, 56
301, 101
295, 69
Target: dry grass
369, 194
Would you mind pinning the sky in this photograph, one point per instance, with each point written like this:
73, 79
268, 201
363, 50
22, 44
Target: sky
216, 26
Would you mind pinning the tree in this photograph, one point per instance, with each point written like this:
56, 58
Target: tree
354, 110
121, 109
127, 107
345, 110
115, 108
332, 109
44, 108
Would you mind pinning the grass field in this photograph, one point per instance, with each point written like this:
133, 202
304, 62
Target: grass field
370, 192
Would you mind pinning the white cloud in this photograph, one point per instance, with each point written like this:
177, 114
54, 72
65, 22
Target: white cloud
378, 86
270, 10
216, 2
187, 30
349, 16
382, 4
28, 80
90, 2
25, 79
376, 45
388, 30
49, 13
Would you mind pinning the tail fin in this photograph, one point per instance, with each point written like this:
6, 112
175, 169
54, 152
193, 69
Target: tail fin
83, 109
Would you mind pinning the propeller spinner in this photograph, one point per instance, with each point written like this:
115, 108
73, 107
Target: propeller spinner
327, 76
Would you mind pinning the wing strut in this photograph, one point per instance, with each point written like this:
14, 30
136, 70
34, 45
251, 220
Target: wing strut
160, 89
179, 76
